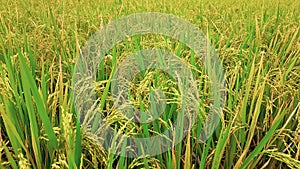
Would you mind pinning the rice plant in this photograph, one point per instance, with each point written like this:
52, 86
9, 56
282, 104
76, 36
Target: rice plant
257, 42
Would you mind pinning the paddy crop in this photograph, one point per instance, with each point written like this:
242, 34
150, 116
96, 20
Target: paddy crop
257, 42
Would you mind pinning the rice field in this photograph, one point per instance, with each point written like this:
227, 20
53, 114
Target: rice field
43, 124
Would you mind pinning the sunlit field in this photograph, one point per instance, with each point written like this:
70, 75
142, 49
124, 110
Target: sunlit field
257, 42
